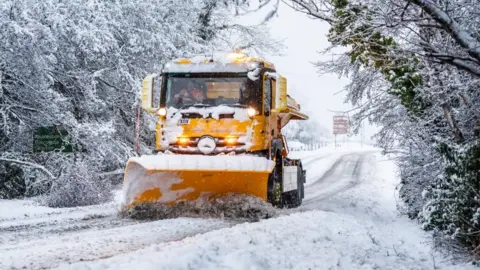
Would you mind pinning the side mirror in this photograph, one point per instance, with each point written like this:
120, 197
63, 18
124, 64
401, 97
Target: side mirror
151, 93
280, 104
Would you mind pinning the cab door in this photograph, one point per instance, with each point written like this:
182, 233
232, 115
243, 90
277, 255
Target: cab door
270, 123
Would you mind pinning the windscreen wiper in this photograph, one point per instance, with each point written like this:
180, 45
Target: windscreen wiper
236, 105
196, 105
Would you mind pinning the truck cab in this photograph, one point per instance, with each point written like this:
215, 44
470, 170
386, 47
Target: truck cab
221, 103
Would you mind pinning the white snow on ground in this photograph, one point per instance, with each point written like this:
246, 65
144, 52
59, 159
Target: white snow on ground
14, 209
29, 211
319, 161
37, 237
99, 242
295, 145
356, 226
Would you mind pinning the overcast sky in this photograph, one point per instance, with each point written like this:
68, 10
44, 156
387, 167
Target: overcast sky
304, 38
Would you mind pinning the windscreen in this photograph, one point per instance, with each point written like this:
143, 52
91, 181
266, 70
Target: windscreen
232, 90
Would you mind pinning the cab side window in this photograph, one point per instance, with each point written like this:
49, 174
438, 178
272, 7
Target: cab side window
267, 98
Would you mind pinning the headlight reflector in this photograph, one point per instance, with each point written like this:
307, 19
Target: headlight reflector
230, 139
183, 140
162, 112
251, 112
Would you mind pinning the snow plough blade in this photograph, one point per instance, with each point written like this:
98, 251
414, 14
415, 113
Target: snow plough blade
168, 179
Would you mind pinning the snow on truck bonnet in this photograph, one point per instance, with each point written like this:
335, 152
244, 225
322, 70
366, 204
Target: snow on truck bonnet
173, 130
239, 113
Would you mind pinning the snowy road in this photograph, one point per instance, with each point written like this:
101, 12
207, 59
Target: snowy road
342, 175
48, 239
348, 221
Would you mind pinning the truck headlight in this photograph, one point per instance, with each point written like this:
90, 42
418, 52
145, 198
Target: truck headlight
251, 112
183, 140
231, 139
162, 111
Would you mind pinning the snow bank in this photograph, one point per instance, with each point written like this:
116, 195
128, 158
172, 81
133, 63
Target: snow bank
29, 211
12, 209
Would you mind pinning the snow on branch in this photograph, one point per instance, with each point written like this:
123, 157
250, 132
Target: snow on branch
311, 8
458, 33
30, 164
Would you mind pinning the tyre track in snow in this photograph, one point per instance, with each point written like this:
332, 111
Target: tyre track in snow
343, 174
327, 178
16, 231
46, 240
312, 159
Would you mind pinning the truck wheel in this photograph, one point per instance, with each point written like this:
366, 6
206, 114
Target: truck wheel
275, 183
293, 198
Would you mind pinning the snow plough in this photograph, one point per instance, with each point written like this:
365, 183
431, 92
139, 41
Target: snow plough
219, 131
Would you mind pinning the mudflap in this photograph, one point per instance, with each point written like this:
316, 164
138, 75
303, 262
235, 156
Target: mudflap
294, 195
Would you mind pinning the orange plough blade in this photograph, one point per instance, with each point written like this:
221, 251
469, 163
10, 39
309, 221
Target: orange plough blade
168, 179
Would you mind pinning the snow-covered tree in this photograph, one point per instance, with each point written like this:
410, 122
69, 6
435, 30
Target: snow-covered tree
78, 65
414, 70
306, 132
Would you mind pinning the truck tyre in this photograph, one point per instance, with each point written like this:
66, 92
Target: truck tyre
274, 195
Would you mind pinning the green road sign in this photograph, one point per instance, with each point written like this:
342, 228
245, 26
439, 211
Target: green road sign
49, 139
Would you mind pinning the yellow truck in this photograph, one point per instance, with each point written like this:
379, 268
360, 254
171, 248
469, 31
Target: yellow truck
219, 131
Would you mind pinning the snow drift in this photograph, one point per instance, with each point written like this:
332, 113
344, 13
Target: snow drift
238, 207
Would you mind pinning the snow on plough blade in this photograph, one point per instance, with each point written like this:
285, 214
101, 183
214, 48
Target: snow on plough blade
168, 179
